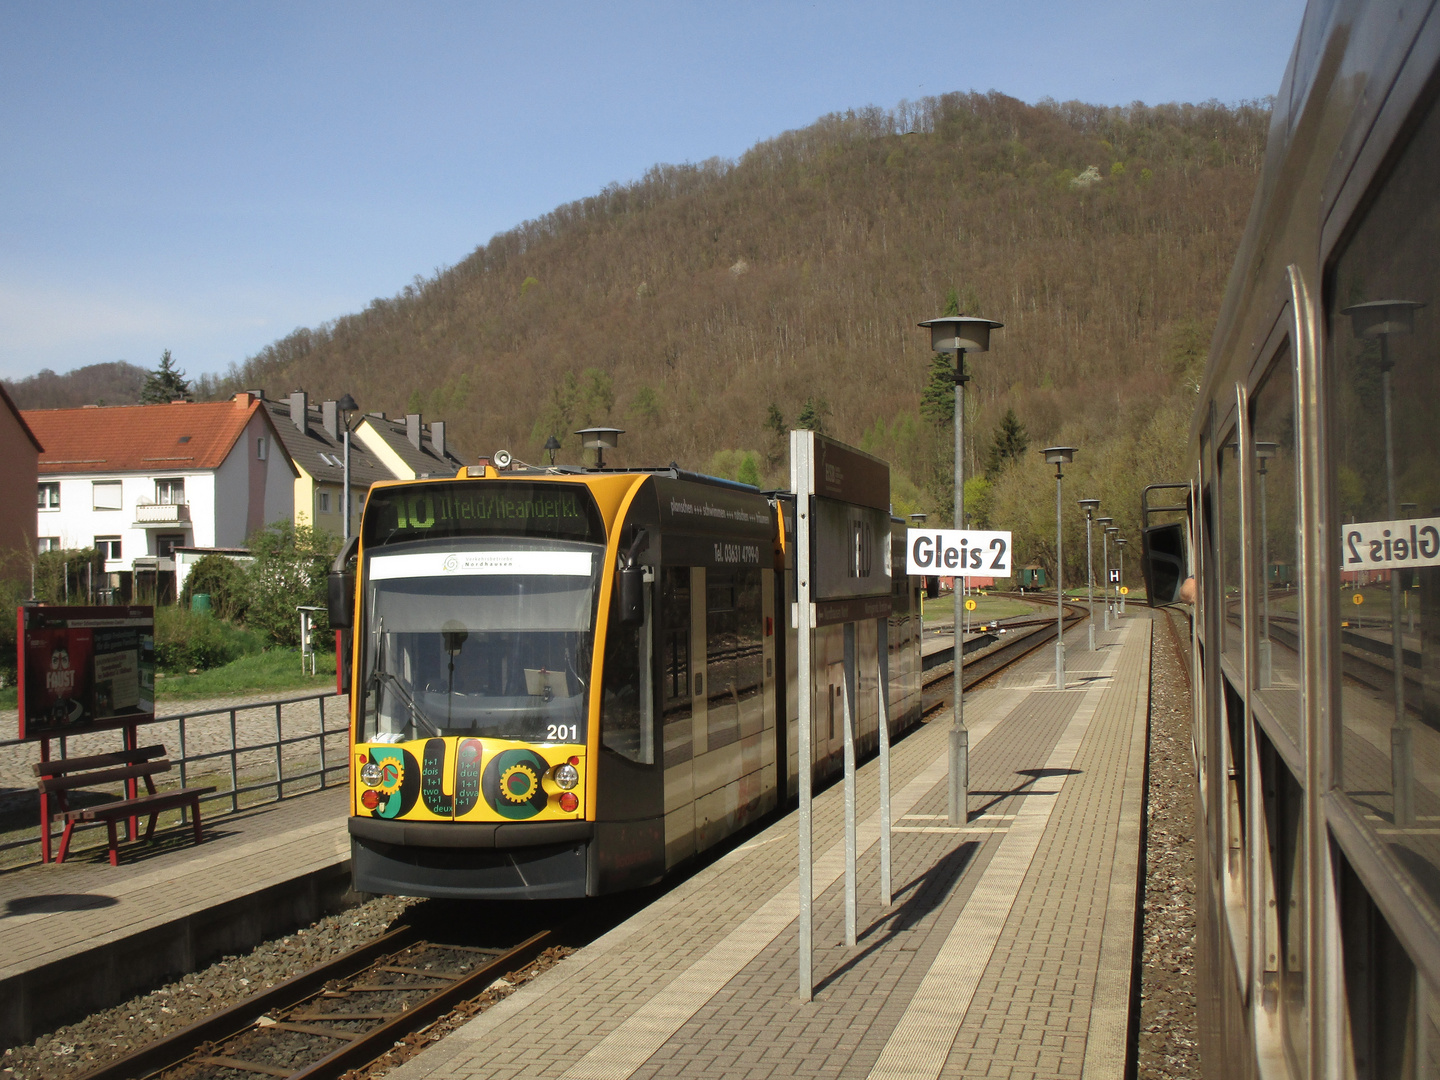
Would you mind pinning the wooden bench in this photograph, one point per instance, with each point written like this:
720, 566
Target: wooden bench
58, 778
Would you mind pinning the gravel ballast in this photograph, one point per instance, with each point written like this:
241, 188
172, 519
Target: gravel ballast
106, 1036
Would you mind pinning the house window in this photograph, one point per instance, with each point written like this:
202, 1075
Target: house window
49, 496
108, 547
49, 543
166, 543
260, 448
171, 491
324, 497
107, 495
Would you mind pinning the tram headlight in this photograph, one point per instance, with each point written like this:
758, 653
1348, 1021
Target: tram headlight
371, 774
566, 776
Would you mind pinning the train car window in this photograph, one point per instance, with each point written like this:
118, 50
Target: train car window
1276, 674
1380, 986
1236, 738
1232, 636
675, 696
1284, 951
733, 653
1383, 307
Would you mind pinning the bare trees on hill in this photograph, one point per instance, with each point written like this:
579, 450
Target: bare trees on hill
850, 231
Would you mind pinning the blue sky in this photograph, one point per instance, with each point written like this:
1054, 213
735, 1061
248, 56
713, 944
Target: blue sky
206, 177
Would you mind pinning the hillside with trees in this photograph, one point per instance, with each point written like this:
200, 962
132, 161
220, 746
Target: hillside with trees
115, 383
708, 308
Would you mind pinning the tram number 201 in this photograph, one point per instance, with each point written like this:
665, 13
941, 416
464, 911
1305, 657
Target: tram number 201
562, 733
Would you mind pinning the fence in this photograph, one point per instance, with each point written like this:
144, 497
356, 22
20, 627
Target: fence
252, 753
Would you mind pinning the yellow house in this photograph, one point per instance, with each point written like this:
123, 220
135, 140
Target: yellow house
314, 437
409, 449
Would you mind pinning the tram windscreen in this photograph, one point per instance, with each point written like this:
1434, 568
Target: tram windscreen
487, 643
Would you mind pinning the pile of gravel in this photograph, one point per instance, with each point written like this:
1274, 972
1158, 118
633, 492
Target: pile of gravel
105, 1036
1169, 1046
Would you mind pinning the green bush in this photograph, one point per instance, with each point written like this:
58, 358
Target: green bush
187, 641
224, 581
289, 570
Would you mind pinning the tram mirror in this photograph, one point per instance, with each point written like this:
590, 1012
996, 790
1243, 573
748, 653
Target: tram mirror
1164, 563
340, 588
632, 595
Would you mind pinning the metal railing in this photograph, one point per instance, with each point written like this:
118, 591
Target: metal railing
243, 750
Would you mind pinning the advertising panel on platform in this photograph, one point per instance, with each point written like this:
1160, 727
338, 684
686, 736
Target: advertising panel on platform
84, 668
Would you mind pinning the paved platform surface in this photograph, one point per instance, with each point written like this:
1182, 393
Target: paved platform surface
165, 910
1007, 951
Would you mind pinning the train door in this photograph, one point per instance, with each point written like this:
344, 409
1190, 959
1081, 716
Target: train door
629, 846
679, 675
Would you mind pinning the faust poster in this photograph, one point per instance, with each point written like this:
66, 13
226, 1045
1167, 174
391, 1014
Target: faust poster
84, 668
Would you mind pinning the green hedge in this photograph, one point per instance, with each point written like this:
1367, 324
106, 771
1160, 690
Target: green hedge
185, 641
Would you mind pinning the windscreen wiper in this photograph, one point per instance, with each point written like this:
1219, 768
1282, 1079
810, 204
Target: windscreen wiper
381, 676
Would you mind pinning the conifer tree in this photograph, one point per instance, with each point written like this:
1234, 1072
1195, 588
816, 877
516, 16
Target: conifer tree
937, 400
165, 384
1011, 440
812, 416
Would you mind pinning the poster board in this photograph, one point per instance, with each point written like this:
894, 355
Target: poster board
84, 669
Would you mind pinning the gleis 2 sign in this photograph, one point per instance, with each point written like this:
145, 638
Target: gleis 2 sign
957, 553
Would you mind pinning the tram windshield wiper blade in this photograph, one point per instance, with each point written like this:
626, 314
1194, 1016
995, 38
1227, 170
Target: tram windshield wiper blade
380, 676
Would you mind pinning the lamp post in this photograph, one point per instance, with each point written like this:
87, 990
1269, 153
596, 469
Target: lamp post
1105, 527
1264, 451
1090, 506
1407, 510
552, 444
1379, 319
1059, 456
959, 334
346, 405
1120, 543
600, 439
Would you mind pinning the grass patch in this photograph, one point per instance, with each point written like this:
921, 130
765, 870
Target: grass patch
277, 669
986, 608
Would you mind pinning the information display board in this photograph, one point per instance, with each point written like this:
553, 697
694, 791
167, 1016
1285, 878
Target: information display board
84, 668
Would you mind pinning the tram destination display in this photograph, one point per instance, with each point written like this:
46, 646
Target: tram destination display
84, 668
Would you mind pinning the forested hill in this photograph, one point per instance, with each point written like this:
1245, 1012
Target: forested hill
685, 305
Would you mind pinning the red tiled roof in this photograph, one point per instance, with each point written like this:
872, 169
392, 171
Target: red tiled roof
140, 438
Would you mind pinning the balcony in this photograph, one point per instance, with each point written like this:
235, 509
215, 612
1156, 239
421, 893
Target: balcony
150, 514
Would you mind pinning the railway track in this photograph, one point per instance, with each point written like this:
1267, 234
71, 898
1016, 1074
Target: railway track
339, 1016
1029, 635
344, 1014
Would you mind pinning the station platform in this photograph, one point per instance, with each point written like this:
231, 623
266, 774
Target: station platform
82, 935
1008, 951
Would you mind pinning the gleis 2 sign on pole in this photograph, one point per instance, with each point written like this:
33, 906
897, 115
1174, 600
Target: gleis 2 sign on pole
957, 553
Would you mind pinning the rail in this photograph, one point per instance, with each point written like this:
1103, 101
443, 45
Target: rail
253, 753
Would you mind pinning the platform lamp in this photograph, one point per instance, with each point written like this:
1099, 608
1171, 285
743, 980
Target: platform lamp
959, 334
1090, 506
346, 405
1264, 451
1106, 526
1379, 320
1059, 456
1120, 543
600, 439
552, 444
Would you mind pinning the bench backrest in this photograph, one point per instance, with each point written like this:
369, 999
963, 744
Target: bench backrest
97, 769
61, 766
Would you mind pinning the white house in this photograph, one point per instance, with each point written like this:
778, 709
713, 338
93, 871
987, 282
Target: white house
138, 481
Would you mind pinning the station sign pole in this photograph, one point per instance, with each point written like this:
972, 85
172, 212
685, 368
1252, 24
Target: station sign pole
843, 577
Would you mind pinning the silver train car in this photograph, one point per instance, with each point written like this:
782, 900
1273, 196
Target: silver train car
1313, 535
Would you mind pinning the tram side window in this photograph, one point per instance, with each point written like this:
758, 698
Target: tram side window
733, 655
675, 695
1275, 544
1231, 610
1383, 307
